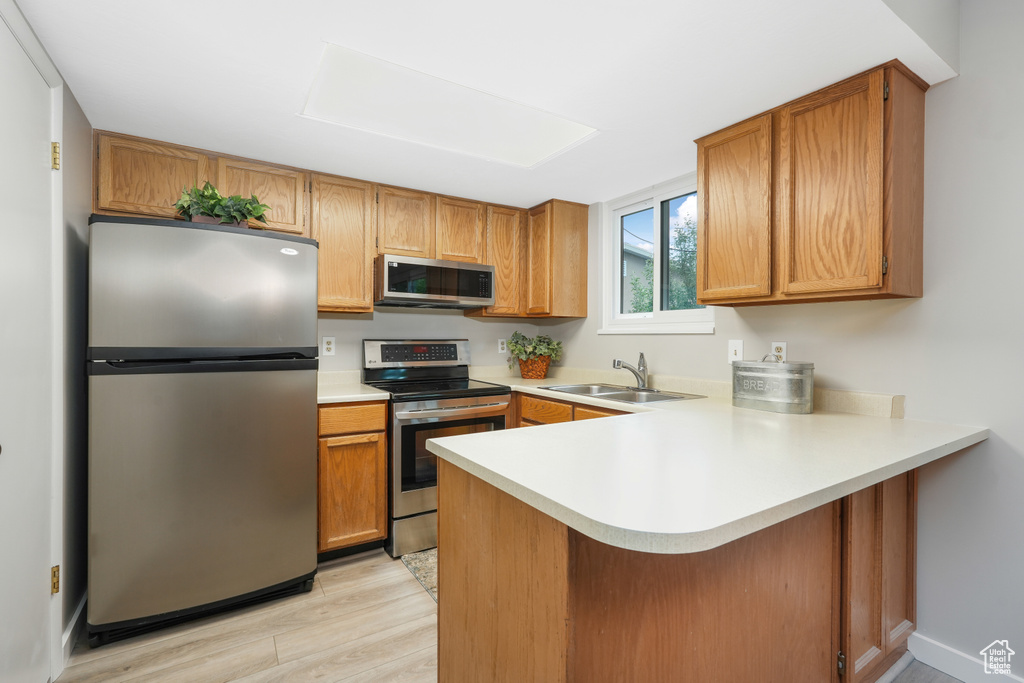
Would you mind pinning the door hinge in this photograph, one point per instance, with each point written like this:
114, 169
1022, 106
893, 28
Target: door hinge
841, 663
55, 156
310, 185
376, 197
885, 91
55, 579
885, 265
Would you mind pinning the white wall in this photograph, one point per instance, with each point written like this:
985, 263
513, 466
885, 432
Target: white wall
350, 330
953, 353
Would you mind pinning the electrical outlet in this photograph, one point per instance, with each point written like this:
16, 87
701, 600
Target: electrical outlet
502, 346
779, 349
326, 346
735, 350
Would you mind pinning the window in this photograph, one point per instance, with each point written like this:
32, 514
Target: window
651, 263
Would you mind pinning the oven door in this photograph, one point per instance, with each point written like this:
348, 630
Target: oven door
413, 467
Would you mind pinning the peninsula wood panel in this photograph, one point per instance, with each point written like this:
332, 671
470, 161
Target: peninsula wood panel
282, 189
503, 574
461, 230
352, 490
830, 188
143, 177
734, 169
527, 599
352, 418
343, 224
759, 608
405, 222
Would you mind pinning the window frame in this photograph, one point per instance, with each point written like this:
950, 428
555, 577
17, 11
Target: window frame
690, 321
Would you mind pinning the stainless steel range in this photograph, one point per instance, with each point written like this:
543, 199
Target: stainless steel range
431, 396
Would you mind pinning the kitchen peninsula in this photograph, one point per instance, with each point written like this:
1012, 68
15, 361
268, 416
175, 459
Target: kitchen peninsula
695, 542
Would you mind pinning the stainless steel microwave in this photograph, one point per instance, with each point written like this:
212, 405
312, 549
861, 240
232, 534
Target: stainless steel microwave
431, 283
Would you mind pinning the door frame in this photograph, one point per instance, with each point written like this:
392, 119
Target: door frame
11, 15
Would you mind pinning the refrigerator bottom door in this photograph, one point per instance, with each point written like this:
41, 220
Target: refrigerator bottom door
202, 487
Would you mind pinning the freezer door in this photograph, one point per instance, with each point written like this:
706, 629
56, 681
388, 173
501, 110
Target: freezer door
202, 487
156, 286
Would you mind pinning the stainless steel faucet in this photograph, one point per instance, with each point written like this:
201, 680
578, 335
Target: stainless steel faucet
640, 371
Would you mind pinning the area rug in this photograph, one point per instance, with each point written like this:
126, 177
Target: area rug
423, 566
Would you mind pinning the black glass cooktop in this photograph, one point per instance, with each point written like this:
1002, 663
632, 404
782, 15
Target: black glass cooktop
433, 389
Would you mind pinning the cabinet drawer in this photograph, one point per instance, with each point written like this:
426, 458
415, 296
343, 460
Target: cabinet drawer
352, 418
543, 411
589, 413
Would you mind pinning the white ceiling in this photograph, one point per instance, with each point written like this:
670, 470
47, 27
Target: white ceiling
651, 75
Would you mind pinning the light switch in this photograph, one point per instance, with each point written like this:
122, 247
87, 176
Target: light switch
735, 350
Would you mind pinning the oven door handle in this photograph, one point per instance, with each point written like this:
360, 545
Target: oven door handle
484, 409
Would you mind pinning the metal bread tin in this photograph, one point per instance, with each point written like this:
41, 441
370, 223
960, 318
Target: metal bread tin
773, 386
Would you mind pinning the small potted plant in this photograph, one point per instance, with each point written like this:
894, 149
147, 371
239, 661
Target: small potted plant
207, 205
534, 355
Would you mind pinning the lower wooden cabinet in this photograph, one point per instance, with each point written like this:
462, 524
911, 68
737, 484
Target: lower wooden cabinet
878, 587
533, 410
352, 475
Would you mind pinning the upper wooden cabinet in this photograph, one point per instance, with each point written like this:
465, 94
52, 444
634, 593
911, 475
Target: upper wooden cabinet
556, 267
343, 218
819, 199
506, 228
282, 189
734, 233
461, 230
405, 222
143, 177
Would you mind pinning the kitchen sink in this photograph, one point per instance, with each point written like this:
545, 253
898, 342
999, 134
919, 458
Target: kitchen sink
612, 392
587, 389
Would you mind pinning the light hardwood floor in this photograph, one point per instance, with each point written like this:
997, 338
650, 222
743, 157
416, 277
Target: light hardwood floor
366, 619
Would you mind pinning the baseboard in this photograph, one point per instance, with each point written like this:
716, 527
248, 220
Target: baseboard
967, 668
74, 629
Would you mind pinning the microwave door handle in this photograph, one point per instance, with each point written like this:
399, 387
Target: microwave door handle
485, 409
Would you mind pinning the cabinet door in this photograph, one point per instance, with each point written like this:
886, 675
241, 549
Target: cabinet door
405, 222
282, 189
878, 586
143, 177
505, 253
460, 230
542, 411
343, 213
538, 255
734, 218
352, 487
830, 188
581, 412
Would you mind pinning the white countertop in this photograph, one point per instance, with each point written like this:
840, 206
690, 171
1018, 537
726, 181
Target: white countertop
345, 387
688, 476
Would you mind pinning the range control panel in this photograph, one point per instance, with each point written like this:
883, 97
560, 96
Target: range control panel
405, 353
397, 353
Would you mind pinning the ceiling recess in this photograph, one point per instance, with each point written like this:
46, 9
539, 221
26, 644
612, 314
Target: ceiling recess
358, 91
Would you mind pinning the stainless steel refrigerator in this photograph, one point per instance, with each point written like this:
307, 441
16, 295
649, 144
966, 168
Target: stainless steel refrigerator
202, 420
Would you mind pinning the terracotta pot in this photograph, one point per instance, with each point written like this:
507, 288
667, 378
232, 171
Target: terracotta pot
535, 368
216, 221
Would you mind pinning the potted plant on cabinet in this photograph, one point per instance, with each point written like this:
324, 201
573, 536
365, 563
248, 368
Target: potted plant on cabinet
207, 205
535, 355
